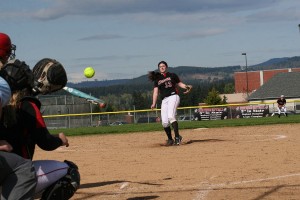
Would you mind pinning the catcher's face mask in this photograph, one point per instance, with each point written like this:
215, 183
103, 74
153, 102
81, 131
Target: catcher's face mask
49, 76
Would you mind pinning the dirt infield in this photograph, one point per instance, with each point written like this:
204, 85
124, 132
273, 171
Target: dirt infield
259, 162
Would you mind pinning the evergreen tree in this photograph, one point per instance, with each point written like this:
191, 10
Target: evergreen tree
213, 98
138, 100
229, 88
224, 100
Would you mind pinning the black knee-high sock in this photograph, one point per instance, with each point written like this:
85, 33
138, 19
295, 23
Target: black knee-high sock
175, 128
168, 132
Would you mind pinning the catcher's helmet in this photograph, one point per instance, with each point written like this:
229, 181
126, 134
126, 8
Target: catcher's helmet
17, 74
5, 47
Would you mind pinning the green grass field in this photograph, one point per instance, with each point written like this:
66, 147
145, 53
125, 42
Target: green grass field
129, 128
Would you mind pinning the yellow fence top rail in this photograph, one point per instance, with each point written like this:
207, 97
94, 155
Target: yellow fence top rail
153, 110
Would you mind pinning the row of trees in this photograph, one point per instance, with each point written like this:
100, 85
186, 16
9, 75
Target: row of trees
139, 97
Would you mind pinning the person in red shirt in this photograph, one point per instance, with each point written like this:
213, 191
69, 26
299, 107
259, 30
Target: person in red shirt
23, 127
17, 175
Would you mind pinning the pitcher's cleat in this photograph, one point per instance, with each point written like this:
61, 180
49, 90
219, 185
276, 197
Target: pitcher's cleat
170, 142
178, 140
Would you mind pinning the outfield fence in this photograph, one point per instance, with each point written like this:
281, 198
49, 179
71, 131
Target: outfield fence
67, 112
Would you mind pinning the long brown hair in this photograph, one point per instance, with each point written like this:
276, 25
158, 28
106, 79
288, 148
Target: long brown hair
9, 112
152, 76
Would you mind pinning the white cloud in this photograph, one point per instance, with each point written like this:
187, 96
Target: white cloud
276, 15
126, 38
102, 37
59, 8
200, 34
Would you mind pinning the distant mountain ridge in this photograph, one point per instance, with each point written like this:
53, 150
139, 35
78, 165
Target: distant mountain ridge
271, 62
98, 83
278, 63
191, 73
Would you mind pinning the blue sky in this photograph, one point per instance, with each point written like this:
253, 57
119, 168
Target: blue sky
127, 38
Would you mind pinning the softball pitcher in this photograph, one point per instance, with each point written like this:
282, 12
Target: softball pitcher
165, 84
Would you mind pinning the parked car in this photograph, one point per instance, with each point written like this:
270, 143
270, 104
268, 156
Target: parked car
147, 119
185, 118
117, 123
103, 123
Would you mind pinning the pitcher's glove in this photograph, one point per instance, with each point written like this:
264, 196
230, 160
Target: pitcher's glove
188, 89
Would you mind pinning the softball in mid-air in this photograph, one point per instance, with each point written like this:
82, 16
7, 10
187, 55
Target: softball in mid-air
89, 72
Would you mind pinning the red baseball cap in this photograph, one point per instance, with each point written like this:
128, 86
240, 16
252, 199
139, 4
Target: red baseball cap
5, 47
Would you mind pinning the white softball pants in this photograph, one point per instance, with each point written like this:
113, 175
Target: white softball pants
282, 109
168, 109
47, 172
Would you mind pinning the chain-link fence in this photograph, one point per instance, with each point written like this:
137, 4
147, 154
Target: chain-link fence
72, 112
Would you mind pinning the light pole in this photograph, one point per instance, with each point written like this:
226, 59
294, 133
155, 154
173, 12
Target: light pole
244, 54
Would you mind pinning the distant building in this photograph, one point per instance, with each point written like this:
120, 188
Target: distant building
265, 87
235, 98
282, 83
286, 84
256, 78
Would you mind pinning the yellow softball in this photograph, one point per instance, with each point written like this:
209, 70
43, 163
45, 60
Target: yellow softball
89, 72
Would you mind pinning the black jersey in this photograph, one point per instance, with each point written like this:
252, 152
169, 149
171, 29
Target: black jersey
166, 84
29, 130
281, 102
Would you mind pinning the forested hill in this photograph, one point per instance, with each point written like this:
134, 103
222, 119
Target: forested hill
278, 63
195, 74
186, 74
139, 90
192, 74
122, 94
